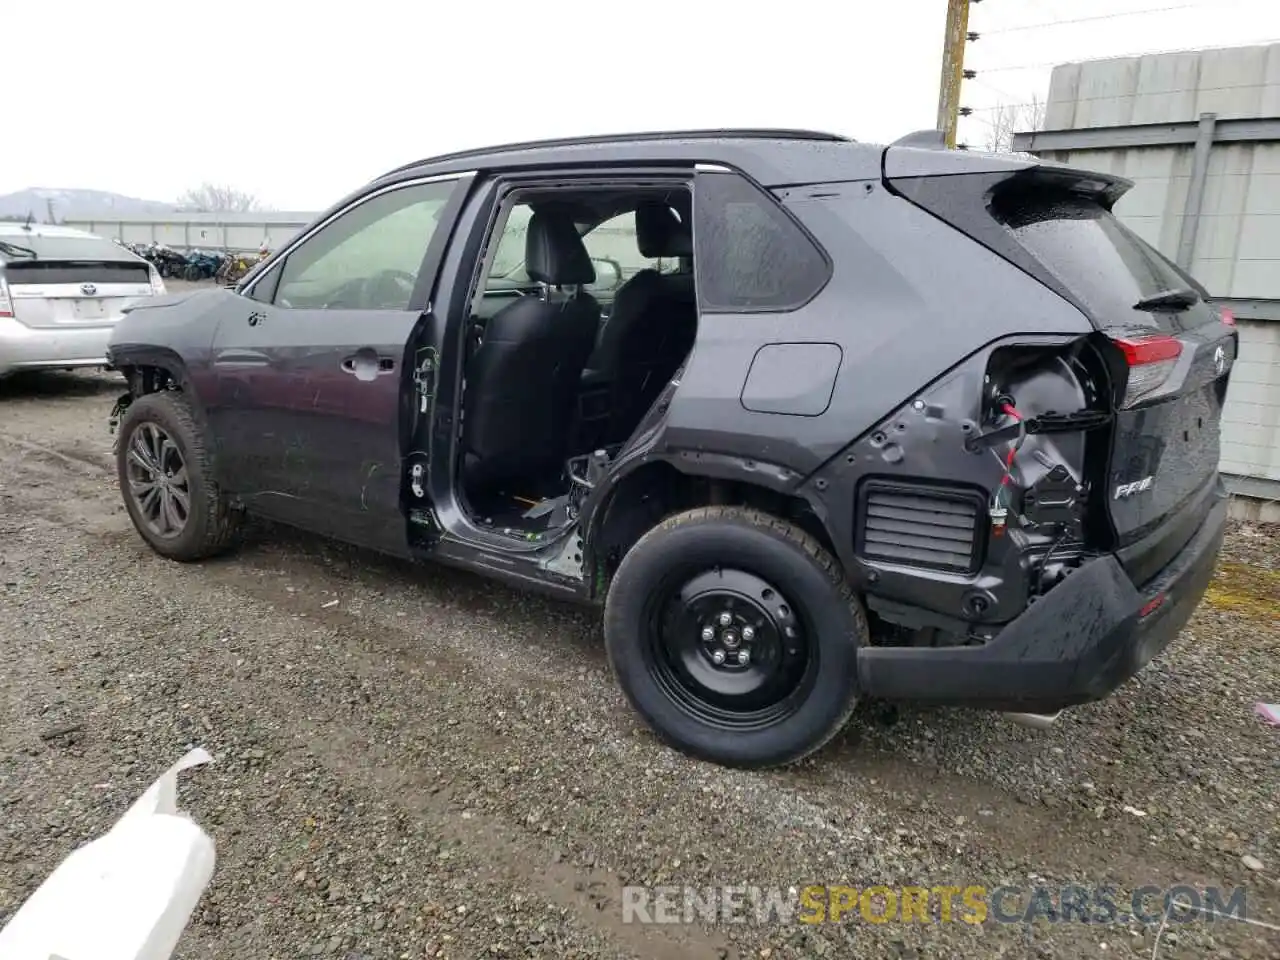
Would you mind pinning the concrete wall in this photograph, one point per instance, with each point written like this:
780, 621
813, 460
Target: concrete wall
1251, 420
1236, 250
182, 231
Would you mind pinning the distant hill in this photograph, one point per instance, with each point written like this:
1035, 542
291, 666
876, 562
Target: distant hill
81, 203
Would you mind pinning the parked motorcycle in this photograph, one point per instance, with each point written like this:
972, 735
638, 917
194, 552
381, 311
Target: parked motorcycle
169, 262
233, 269
203, 264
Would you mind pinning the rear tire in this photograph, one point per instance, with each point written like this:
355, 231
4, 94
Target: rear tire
735, 636
166, 481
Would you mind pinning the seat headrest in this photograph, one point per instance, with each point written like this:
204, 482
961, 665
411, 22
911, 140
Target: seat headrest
554, 251
660, 233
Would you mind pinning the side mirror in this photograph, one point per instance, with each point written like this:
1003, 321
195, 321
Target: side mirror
608, 273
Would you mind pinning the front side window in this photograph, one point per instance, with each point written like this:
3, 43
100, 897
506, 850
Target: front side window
751, 255
370, 256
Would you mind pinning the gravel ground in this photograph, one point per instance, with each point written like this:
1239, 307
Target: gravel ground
436, 766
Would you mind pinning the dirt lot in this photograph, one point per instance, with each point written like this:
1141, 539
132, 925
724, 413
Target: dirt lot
437, 766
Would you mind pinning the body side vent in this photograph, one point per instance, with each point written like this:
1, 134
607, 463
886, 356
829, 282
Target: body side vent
920, 525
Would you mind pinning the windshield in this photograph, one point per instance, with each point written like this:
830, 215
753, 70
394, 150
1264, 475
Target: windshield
508, 261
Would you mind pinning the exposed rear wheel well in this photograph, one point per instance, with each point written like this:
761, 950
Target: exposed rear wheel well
655, 491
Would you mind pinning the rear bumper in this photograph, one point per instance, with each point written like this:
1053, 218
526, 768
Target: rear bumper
23, 347
1076, 644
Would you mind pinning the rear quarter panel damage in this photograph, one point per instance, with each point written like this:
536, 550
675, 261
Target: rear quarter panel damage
915, 306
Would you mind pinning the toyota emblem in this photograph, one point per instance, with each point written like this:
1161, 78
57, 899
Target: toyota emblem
88, 289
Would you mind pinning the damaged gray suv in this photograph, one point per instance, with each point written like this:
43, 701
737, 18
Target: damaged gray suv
813, 420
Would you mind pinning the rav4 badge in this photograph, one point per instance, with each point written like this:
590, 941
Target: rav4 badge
1129, 489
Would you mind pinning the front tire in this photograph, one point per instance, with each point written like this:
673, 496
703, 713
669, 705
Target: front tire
735, 636
166, 480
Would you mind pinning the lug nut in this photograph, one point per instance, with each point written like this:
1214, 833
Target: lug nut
726, 618
748, 634
743, 658
708, 634
717, 657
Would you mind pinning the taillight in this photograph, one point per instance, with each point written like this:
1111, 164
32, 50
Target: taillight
1227, 316
6, 304
1150, 360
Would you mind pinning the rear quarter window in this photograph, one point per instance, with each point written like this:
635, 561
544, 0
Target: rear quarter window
749, 254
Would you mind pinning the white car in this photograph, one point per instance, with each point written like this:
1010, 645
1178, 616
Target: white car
61, 293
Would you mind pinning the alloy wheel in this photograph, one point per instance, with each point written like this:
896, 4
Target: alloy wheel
158, 481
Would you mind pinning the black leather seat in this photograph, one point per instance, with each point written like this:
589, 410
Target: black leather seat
523, 379
653, 324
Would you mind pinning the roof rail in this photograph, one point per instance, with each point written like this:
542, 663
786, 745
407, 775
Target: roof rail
746, 133
924, 139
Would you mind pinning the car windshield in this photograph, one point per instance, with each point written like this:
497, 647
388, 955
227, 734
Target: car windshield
508, 261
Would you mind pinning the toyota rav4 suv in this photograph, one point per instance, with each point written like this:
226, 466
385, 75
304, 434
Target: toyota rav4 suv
813, 420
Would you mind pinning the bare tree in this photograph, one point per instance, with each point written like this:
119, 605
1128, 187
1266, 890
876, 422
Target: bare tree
218, 198
1010, 118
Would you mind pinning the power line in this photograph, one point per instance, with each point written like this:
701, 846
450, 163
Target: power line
1101, 16
992, 87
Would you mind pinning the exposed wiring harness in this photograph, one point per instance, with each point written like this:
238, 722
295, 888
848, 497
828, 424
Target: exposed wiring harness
1000, 499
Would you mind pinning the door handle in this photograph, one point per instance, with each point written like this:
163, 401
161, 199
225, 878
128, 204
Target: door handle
367, 365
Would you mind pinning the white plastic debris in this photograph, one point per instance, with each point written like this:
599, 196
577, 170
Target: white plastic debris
127, 895
1134, 811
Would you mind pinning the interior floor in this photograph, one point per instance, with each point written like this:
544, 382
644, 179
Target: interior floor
519, 507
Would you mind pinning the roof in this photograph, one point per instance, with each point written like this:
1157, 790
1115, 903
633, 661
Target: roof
18, 230
772, 157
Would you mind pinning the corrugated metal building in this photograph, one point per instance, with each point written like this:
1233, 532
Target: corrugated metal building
183, 231
1199, 135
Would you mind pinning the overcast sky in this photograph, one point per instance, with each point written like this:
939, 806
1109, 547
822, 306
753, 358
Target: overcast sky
299, 102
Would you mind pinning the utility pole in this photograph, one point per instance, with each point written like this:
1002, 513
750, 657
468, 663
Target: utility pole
952, 69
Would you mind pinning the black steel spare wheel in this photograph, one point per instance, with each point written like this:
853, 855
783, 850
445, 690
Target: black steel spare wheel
735, 635
166, 480
727, 647
158, 481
